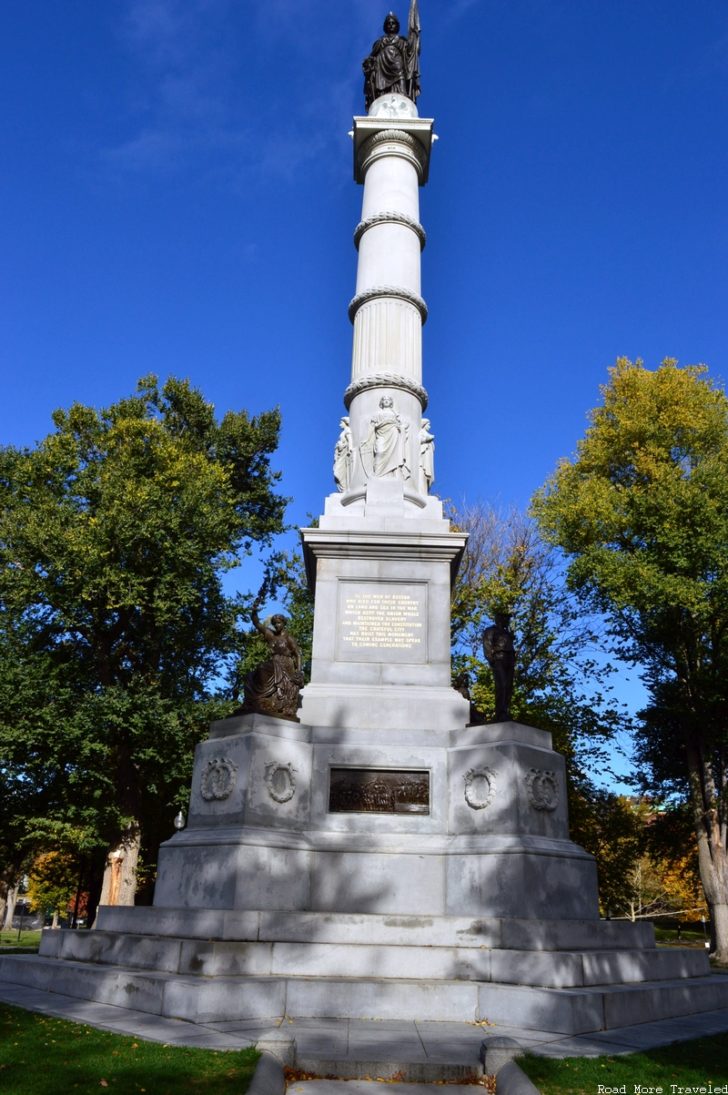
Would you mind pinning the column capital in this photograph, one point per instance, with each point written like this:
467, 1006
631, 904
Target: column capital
375, 137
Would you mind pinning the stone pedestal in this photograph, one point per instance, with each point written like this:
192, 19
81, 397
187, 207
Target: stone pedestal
406, 820
381, 644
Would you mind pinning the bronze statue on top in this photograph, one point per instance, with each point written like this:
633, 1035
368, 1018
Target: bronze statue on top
393, 66
501, 655
273, 687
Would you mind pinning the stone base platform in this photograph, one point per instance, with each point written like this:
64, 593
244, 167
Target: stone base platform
570, 977
464, 822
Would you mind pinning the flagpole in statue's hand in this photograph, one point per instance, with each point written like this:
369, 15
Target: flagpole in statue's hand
413, 51
413, 26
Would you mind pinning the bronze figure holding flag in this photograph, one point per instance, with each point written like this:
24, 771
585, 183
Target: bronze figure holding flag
393, 66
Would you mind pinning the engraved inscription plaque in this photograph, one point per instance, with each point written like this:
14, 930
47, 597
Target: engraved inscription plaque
379, 791
383, 621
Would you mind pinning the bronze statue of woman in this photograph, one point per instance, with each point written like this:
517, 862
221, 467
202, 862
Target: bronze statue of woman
273, 687
393, 66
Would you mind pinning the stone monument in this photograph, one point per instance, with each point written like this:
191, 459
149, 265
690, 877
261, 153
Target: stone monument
379, 857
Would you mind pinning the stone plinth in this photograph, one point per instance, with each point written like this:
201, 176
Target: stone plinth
381, 644
485, 834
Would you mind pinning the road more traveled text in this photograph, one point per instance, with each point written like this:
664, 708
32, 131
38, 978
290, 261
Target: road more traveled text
667, 1089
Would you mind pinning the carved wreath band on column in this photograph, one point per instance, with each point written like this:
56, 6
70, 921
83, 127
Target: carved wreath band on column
390, 218
543, 789
396, 291
386, 380
393, 142
218, 779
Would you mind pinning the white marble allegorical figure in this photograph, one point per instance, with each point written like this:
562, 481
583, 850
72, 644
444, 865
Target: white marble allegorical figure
427, 454
384, 453
343, 456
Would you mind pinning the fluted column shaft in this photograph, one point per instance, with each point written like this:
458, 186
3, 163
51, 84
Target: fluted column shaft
387, 311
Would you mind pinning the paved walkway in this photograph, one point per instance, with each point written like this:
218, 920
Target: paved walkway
350, 1043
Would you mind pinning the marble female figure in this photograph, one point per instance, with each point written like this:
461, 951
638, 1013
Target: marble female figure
384, 453
427, 454
343, 456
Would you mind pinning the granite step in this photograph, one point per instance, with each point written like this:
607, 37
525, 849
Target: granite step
322, 927
554, 969
226, 998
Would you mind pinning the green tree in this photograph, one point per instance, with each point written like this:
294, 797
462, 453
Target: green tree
642, 514
508, 568
559, 685
610, 828
52, 882
115, 534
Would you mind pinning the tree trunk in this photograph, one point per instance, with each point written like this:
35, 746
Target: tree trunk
719, 934
712, 855
54, 922
120, 877
10, 900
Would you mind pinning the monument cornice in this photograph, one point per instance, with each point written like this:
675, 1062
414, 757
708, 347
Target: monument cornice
395, 291
386, 380
390, 218
343, 543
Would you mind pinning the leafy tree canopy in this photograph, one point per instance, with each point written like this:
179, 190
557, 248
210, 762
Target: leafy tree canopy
642, 510
642, 513
561, 685
115, 533
509, 568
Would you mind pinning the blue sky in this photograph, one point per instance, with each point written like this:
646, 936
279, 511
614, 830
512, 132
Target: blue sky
177, 197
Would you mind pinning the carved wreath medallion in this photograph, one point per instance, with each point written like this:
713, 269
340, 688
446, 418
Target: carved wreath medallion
543, 789
280, 781
479, 787
218, 779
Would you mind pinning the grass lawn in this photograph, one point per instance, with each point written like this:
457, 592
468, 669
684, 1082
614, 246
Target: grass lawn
40, 1055
27, 939
692, 1065
687, 938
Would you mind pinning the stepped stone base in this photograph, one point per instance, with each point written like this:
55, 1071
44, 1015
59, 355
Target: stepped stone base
271, 903
565, 976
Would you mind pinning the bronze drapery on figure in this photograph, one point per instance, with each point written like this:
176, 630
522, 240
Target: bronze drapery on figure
393, 66
273, 687
500, 653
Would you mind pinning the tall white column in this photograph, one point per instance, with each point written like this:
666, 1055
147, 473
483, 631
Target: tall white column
391, 158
